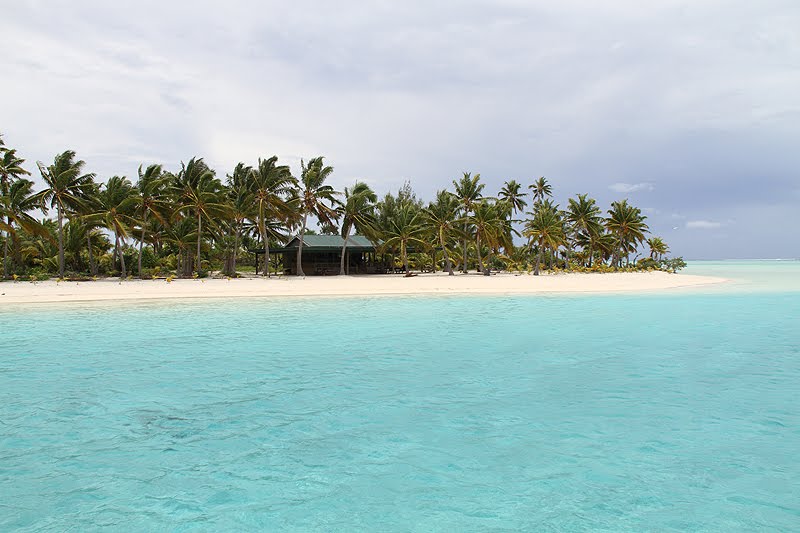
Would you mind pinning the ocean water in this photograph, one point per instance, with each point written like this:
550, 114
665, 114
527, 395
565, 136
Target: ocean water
657, 412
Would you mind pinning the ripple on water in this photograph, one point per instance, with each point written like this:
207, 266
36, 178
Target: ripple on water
450, 413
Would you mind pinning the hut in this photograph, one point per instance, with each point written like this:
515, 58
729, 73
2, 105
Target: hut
322, 255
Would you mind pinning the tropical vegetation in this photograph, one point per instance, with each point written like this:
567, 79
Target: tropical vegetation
188, 222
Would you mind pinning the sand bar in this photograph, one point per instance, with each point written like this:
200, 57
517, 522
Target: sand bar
52, 291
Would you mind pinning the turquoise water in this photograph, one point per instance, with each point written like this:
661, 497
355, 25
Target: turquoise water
766, 275
671, 412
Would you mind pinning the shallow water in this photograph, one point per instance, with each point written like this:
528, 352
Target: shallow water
539, 413
765, 275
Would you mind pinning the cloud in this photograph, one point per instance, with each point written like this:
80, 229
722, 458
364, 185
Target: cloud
631, 187
585, 93
703, 224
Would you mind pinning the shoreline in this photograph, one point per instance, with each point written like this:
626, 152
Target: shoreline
115, 290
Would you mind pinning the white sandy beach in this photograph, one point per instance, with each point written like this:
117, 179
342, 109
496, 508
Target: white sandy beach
440, 283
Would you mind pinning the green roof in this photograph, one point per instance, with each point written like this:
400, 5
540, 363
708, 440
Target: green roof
330, 241
323, 243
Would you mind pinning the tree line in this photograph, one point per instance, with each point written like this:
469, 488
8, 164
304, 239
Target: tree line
190, 222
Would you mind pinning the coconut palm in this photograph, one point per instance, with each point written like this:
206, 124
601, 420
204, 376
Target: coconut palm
468, 191
239, 197
356, 211
182, 235
199, 194
405, 228
489, 221
33, 249
441, 218
10, 170
657, 247
116, 206
315, 198
585, 218
540, 190
626, 224
270, 187
545, 230
66, 189
150, 199
15, 206
510, 194
87, 214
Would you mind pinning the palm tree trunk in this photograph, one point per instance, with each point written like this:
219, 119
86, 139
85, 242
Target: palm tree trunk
16, 258
3, 189
480, 256
237, 230
92, 265
405, 257
5, 250
60, 241
464, 258
487, 271
346, 232
263, 230
141, 243
538, 260
124, 274
199, 236
448, 264
300, 248
344, 252
116, 253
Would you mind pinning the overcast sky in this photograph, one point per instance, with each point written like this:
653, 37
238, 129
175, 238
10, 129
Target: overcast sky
691, 109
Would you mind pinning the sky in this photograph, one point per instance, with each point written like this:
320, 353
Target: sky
689, 109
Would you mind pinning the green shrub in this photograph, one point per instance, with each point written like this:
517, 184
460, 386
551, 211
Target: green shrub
169, 262
647, 263
673, 265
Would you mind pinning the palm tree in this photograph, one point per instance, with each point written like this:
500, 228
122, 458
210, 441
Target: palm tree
540, 190
65, 189
357, 211
182, 234
626, 224
86, 213
546, 230
468, 191
585, 218
14, 208
10, 170
657, 247
149, 196
440, 218
116, 206
313, 196
270, 186
510, 194
239, 198
405, 228
199, 193
489, 222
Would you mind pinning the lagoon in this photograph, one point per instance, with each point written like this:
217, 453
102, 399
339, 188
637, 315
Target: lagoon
659, 411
